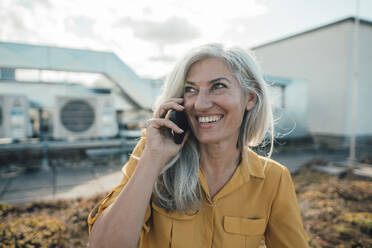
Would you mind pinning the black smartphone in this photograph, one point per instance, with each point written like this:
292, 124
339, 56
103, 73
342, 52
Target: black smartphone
180, 119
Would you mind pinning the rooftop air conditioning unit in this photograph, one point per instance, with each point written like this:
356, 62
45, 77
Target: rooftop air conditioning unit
14, 118
84, 117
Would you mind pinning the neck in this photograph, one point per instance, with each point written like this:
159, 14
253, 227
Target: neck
218, 159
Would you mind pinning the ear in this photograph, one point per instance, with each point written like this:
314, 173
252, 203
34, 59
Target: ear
251, 100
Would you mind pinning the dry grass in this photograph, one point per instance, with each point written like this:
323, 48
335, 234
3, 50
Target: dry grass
46, 224
336, 213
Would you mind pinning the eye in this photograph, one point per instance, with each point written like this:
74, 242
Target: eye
189, 89
218, 86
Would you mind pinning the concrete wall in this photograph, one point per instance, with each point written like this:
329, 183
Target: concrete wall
322, 59
364, 93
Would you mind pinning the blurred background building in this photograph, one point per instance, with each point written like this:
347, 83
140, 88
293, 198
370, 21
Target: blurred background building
59, 93
54, 93
312, 72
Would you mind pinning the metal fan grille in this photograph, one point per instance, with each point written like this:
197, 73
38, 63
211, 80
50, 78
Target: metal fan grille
77, 116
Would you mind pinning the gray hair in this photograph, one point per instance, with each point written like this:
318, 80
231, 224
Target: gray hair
178, 187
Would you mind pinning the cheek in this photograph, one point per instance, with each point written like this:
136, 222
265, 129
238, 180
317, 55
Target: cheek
188, 103
188, 110
233, 103
236, 108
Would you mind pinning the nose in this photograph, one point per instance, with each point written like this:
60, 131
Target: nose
203, 101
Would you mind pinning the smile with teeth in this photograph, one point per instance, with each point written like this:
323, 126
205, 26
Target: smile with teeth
209, 119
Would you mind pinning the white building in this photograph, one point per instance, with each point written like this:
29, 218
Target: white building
137, 91
44, 75
315, 68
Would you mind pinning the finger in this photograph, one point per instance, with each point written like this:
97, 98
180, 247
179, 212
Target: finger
159, 123
174, 103
165, 107
187, 135
175, 99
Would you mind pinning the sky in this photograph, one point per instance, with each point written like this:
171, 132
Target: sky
149, 36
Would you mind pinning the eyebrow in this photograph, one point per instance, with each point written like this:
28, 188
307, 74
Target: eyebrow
211, 81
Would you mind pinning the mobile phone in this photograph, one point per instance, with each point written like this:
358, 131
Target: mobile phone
180, 119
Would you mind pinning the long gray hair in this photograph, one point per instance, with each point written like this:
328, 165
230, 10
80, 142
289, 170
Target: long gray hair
177, 187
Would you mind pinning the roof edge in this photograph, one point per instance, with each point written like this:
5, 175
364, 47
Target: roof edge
40, 45
295, 34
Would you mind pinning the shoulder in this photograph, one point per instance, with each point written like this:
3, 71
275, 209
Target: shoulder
274, 168
128, 169
277, 175
264, 167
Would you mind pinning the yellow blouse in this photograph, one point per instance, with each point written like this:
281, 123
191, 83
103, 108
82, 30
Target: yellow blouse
257, 201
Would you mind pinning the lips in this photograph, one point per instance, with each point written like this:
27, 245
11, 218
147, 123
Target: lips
209, 119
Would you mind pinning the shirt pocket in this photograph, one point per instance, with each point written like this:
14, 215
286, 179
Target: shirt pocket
172, 229
243, 232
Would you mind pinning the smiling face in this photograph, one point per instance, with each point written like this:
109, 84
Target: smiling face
215, 101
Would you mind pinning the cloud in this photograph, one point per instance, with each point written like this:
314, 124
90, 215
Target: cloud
46, 3
173, 30
148, 36
30, 4
84, 26
162, 58
16, 22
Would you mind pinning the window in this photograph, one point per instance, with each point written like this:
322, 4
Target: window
277, 95
7, 74
277, 90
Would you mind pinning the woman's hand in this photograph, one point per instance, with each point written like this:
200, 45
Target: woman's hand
134, 198
159, 143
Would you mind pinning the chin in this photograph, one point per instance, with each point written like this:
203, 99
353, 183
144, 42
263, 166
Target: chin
209, 139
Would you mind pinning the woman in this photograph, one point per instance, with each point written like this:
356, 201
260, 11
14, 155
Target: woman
211, 190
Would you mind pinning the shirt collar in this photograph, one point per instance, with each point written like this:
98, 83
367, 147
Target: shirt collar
252, 164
